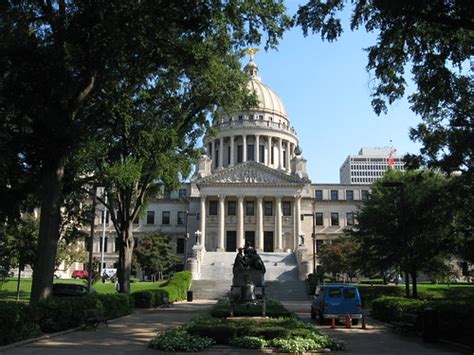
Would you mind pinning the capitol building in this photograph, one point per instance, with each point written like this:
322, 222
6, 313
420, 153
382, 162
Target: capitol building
249, 188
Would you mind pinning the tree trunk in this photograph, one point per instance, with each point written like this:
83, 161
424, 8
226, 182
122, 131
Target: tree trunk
413, 277
125, 257
407, 285
52, 181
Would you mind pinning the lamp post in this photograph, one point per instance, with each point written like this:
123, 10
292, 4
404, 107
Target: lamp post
401, 186
198, 236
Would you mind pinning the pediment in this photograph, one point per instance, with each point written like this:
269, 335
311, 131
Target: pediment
251, 173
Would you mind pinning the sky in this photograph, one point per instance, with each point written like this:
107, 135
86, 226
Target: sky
326, 91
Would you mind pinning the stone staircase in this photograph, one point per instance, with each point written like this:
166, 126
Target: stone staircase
281, 277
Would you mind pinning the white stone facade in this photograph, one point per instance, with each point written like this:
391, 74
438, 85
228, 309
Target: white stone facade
251, 187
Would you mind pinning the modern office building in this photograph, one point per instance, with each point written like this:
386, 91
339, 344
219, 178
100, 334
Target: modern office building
369, 165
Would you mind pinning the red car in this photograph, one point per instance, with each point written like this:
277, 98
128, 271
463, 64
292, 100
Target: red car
79, 274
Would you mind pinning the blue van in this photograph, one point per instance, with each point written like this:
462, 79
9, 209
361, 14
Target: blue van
336, 301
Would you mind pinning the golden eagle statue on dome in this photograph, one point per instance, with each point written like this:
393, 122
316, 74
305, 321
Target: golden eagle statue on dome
251, 52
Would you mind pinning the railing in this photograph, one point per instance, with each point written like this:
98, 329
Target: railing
254, 123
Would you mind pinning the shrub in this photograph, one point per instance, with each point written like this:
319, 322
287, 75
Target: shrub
175, 290
179, 340
248, 342
274, 309
115, 305
16, 323
294, 345
389, 308
370, 293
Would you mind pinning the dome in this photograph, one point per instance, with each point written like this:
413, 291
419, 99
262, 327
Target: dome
268, 100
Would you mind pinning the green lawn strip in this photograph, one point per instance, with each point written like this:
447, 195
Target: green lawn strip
285, 333
8, 288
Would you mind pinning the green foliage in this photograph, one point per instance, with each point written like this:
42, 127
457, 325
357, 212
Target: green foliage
274, 309
339, 257
174, 290
434, 39
369, 293
179, 340
154, 253
248, 342
116, 305
404, 224
16, 323
389, 308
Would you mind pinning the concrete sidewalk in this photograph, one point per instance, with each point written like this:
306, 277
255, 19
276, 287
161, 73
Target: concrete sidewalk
126, 335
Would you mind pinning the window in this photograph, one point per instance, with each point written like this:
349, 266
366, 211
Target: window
116, 249
216, 159
334, 292
181, 217
241, 117
349, 195
150, 217
334, 219
212, 208
272, 155
249, 208
182, 193
240, 153
334, 195
286, 205
228, 155
180, 246
106, 241
365, 195
260, 117
231, 208
250, 152
262, 153
268, 208
348, 292
319, 219
319, 244
165, 217
250, 117
318, 195
106, 217
350, 218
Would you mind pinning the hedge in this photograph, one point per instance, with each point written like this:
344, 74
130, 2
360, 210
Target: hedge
455, 316
16, 323
175, 290
20, 321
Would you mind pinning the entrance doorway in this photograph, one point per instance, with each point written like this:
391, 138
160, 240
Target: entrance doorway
250, 239
268, 241
231, 241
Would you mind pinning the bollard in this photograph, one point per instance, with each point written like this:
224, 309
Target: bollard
333, 323
348, 321
364, 325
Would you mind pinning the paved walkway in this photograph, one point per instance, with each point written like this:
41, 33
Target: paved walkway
376, 339
130, 335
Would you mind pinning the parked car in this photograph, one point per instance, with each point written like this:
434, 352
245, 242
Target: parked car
336, 301
79, 274
68, 290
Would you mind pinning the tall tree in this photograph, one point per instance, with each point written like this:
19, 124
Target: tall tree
434, 38
338, 257
60, 57
154, 253
404, 224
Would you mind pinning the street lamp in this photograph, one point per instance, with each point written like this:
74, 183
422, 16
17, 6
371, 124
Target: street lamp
198, 236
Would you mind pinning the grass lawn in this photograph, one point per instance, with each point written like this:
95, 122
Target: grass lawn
8, 288
428, 290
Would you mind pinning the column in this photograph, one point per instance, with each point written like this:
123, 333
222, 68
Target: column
213, 164
221, 224
203, 221
297, 219
240, 222
280, 153
244, 148
257, 148
259, 239
288, 156
231, 150
221, 153
269, 152
278, 226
